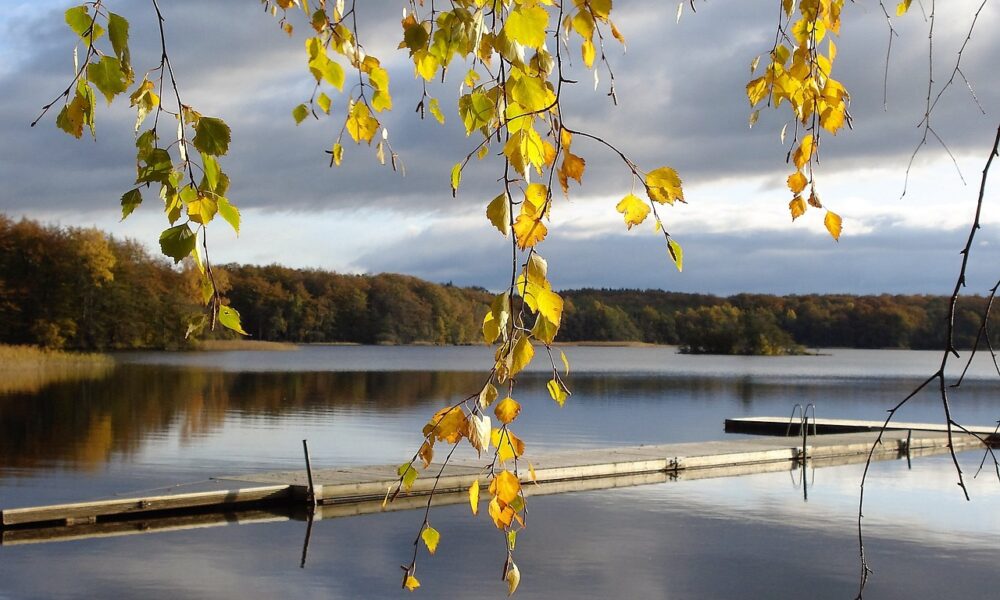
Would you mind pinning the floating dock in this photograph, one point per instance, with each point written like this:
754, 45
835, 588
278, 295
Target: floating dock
785, 426
360, 490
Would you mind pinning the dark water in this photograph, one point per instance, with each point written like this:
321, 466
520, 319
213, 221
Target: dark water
159, 420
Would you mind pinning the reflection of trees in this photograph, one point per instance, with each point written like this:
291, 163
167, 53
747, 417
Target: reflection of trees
85, 423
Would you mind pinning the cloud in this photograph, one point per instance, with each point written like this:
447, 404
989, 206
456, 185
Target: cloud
681, 102
896, 259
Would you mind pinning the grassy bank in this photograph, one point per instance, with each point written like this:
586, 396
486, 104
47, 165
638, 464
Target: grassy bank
29, 368
231, 345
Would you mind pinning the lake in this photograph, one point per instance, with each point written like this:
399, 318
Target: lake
163, 419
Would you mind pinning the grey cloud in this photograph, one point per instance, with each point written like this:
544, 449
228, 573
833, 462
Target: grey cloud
896, 259
680, 86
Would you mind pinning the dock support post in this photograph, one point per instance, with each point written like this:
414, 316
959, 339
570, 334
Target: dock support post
311, 498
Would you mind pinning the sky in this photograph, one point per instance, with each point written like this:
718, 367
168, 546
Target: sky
680, 87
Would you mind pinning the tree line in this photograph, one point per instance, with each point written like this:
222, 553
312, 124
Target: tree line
79, 288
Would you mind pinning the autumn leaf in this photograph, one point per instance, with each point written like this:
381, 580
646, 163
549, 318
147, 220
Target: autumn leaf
664, 185
556, 391
803, 153
797, 207
833, 224
487, 395
431, 538
474, 497
505, 486
513, 578
479, 432
676, 254
529, 230
507, 410
498, 212
526, 25
521, 355
448, 424
410, 582
508, 445
797, 182
634, 209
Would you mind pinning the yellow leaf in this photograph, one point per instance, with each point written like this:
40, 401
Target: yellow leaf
550, 305
411, 583
804, 152
513, 578
531, 472
431, 538
507, 410
529, 231
588, 52
634, 209
435, 108
360, 123
676, 254
797, 182
427, 452
448, 424
833, 224
556, 391
521, 356
491, 329
338, 154
456, 178
902, 7
797, 206
526, 25
474, 497
544, 330
505, 486
664, 185
536, 194
757, 90
507, 444
572, 168
202, 209
565, 361
425, 64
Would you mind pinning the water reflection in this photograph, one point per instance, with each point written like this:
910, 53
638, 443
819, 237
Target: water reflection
140, 409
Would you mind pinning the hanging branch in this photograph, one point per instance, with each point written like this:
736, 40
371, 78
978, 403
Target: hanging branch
938, 376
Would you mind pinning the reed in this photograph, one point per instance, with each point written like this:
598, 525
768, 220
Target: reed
232, 345
30, 368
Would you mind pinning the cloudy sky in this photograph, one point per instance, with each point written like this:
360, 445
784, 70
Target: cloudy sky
681, 103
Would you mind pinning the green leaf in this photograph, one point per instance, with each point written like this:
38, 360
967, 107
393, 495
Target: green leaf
676, 253
408, 473
212, 136
118, 32
230, 319
108, 76
130, 200
80, 21
157, 167
431, 538
178, 242
212, 171
230, 213
299, 113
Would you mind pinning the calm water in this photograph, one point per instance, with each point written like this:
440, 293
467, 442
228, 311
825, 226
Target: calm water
164, 419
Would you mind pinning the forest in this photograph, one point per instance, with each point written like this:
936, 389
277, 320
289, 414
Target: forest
78, 288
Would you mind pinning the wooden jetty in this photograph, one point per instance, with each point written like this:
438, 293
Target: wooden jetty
781, 425
360, 490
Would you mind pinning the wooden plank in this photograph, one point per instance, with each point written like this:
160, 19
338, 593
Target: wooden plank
126, 506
